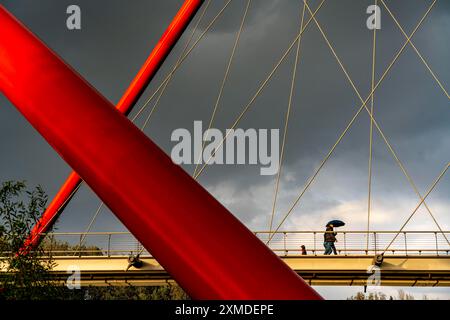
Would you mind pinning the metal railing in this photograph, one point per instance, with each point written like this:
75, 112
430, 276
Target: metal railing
355, 242
283, 243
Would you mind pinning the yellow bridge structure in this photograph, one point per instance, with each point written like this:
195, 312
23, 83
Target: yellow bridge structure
414, 258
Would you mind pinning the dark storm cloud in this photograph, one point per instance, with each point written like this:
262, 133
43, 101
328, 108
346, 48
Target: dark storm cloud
117, 36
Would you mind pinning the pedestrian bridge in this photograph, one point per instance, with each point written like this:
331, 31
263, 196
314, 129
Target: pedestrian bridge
409, 258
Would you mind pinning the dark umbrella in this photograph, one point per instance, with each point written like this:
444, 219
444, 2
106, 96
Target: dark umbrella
336, 223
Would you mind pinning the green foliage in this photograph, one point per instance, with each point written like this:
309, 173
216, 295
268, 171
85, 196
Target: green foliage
64, 248
370, 296
168, 292
25, 276
401, 295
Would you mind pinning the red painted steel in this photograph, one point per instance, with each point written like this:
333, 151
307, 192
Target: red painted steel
198, 241
130, 97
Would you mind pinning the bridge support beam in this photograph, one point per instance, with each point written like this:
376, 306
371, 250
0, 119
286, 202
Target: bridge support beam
202, 245
126, 103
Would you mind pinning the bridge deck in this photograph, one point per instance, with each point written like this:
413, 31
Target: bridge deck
317, 270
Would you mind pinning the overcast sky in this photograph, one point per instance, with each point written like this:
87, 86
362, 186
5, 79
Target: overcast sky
410, 107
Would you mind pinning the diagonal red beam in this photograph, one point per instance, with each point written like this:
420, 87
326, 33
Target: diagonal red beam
130, 97
198, 241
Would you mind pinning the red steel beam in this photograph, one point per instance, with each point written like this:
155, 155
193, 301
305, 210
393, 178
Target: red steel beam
126, 103
207, 250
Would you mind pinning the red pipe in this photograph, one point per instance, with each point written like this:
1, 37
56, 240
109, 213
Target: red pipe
198, 241
126, 103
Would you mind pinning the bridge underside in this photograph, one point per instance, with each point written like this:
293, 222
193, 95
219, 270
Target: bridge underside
428, 271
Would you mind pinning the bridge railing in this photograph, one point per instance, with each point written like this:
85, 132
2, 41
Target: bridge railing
359, 242
283, 243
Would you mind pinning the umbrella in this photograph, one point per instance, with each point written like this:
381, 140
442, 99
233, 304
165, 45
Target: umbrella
336, 223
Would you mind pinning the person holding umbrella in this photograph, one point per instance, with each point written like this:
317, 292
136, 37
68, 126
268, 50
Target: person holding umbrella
330, 236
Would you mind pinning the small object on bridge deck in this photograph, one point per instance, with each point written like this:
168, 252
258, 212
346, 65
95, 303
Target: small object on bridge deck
134, 261
304, 252
378, 260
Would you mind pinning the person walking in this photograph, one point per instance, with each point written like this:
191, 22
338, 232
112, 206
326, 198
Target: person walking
329, 240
